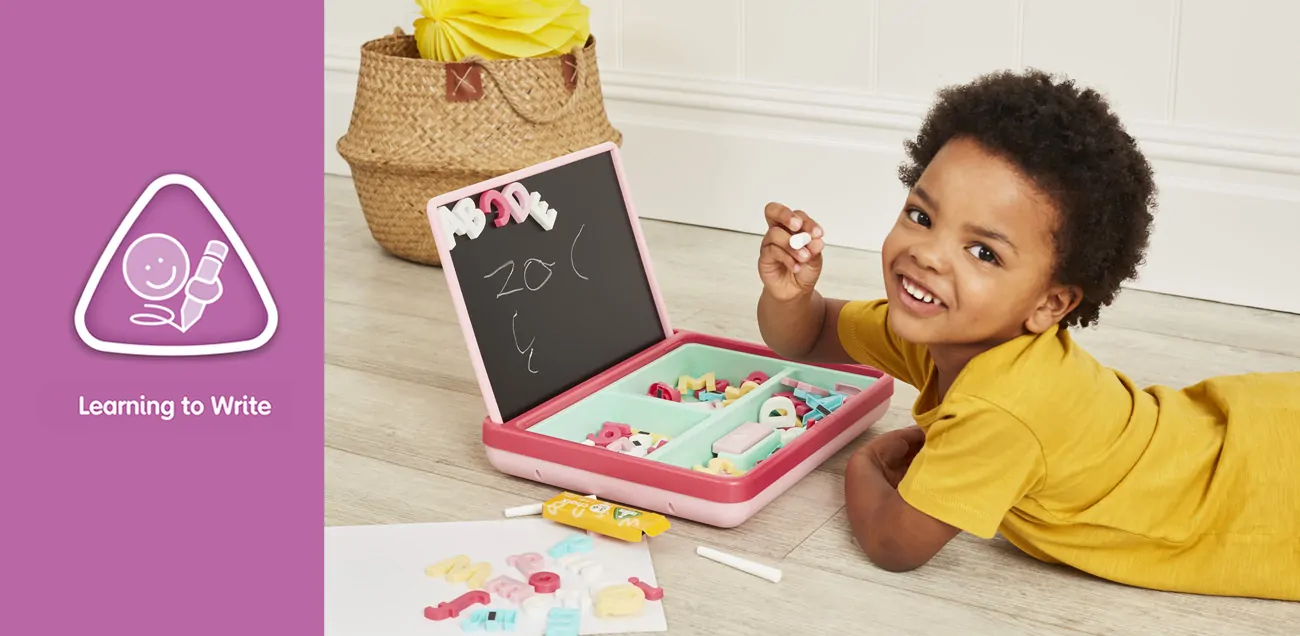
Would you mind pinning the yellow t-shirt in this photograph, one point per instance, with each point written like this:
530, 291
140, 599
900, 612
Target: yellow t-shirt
1194, 490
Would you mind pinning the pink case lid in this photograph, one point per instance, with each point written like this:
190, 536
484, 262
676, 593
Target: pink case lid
468, 328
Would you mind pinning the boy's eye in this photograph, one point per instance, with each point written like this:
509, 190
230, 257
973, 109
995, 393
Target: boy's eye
983, 253
918, 217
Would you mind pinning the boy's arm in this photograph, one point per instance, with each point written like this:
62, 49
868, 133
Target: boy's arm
802, 328
799, 324
895, 536
909, 492
808, 328
793, 318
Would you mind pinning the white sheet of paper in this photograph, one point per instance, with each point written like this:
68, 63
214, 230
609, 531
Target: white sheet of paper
375, 583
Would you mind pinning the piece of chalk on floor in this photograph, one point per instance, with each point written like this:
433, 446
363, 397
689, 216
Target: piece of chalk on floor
800, 240
533, 509
524, 511
744, 565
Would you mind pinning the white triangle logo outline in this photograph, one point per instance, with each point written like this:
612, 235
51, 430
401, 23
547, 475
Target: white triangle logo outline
236, 243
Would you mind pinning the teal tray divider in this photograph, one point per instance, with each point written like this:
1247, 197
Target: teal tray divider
696, 446
691, 427
642, 413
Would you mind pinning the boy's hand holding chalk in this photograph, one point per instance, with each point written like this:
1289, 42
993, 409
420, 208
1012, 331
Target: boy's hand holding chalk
790, 260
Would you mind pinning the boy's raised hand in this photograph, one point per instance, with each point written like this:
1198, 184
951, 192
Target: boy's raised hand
786, 272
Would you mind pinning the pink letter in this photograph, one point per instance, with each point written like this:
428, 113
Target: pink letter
490, 197
520, 203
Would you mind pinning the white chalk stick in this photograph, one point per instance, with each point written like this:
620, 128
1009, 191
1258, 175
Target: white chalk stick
744, 565
800, 240
524, 511
532, 509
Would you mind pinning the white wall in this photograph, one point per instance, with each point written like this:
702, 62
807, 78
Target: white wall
722, 102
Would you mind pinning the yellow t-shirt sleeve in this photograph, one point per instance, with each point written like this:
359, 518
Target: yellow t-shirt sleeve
977, 463
865, 335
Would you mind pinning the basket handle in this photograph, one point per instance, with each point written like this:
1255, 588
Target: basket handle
464, 82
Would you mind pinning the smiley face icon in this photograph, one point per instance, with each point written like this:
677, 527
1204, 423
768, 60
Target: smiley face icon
156, 267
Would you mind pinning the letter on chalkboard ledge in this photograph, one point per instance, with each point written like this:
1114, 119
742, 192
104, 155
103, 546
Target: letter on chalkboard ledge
517, 197
504, 209
465, 219
544, 215
512, 202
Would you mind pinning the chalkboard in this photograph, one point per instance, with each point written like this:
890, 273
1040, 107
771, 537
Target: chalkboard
543, 310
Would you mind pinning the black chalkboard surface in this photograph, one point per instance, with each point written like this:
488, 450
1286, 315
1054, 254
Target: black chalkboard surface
547, 309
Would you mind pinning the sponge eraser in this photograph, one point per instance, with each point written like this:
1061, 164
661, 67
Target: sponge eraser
742, 438
800, 240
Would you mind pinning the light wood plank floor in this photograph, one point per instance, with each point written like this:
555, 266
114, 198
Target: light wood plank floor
402, 445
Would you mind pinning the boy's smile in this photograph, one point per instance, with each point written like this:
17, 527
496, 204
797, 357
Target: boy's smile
970, 261
918, 298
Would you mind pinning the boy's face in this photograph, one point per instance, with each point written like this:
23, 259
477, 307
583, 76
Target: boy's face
975, 237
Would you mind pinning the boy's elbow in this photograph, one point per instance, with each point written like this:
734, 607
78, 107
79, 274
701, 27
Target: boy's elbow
891, 563
889, 555
893, 560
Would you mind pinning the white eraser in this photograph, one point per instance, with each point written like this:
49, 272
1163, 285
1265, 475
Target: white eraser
744, 565
800, 240
524, 511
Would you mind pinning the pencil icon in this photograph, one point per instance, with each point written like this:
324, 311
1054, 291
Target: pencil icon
209, 266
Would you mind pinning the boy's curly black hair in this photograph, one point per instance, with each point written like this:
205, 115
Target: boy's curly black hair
1067, 141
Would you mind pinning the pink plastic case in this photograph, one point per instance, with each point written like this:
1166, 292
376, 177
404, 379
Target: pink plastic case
545, 444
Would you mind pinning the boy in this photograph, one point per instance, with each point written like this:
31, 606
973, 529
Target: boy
1028, 206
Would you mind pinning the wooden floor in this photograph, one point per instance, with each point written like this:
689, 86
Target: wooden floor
403, 445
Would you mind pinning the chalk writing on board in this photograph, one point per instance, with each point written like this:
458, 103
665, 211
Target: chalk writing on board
503, 292
514, 202
515, 333
522, 350
509, 268
549, 272
511, 264
575, 244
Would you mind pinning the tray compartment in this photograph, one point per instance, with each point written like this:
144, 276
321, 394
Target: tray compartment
695, 360
695, 448
642, 413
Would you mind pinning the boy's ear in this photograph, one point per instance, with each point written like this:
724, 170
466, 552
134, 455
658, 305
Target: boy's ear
1059, 301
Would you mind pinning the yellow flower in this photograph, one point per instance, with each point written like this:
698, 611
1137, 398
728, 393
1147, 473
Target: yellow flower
452, 30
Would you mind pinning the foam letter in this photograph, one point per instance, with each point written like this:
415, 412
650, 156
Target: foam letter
490, 197
517, 197
471, 218
541, 213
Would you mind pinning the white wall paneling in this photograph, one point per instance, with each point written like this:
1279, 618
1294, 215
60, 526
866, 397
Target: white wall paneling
1137, 38
1239, 66
925, 44
728, 104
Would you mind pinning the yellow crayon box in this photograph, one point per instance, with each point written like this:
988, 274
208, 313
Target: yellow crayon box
603, 517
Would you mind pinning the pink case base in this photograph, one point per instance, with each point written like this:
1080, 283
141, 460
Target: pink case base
648, 497
712, 499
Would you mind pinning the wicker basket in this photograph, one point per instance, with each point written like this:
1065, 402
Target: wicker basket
421, 128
